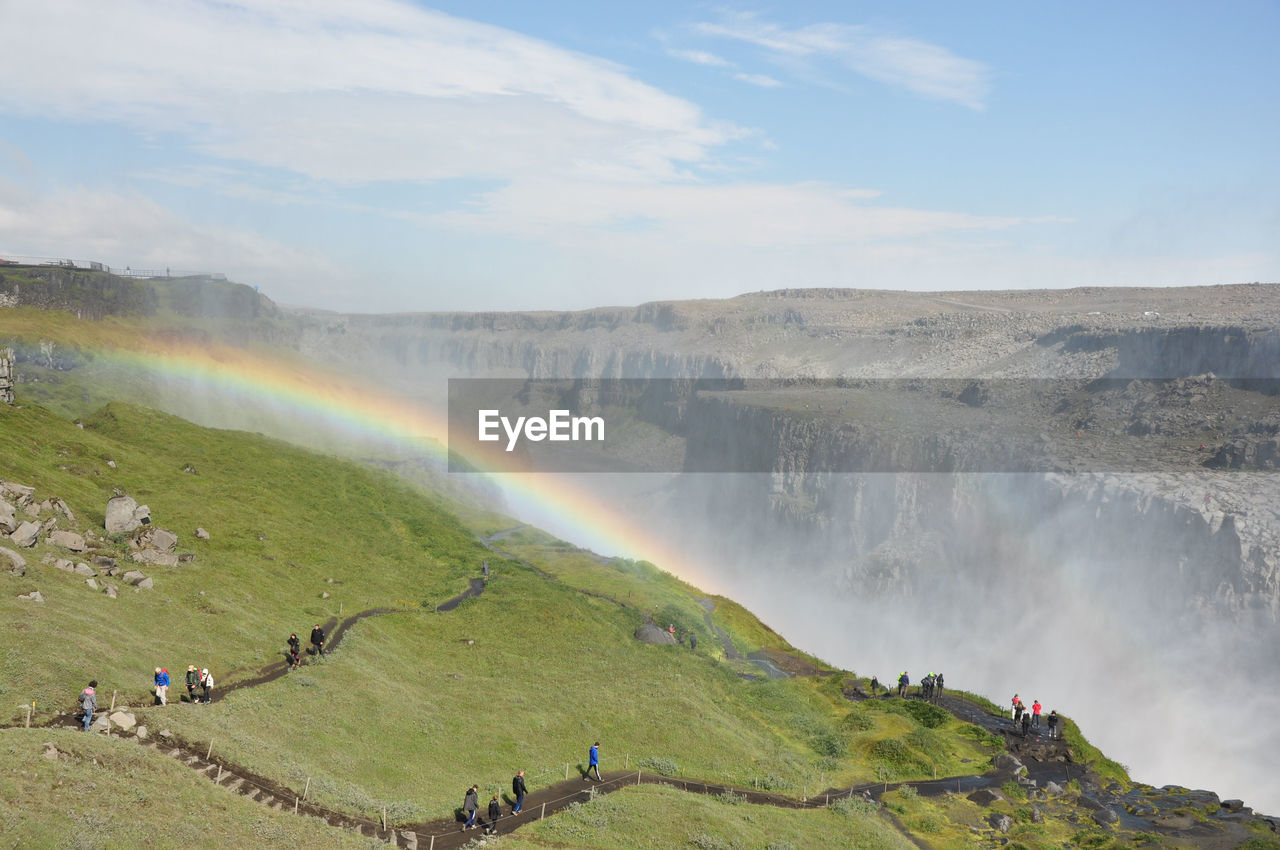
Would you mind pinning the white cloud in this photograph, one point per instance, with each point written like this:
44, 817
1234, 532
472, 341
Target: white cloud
917, 66
133, 230
376, 90
700, 57
764, 81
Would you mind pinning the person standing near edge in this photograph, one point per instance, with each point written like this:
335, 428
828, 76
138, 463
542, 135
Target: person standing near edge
593, 761
518, 790
317, 638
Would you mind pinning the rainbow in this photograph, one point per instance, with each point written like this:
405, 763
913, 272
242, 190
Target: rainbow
300, 389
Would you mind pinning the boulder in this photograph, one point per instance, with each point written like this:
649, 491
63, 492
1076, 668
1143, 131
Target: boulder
33, 596
19, 493
1233, 805
67, 540
125, 515
1006, 762
103, 561
61, 507
164, 539
141, 732
1087, 802
92, 582
147, 583
649, 633
100, 724
133, 577
26, 534
1037, 814
8, 518
1105, 817
109, 589
155, 556
83, 569
65, 565
124, 719
985, 796
17, 563
201, 534
1053, 789
999, 822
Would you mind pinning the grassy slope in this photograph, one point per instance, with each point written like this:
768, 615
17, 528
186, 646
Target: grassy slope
128, 797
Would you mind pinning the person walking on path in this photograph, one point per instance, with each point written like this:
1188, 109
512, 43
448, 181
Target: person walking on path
693, 642
904, 682
162, 686
937, 684
193, 679
875, 685
1053, 724
518, 790
1035, 713
317, 638
1015, 703
89, 703
206, 684
593, 762
1026, 723
495, 812
471, 805
295, 650
1017, 713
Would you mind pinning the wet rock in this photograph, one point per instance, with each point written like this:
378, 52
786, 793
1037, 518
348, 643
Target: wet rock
33, 596
26, 534
1000, 823
985, 796
201, 534
1005, 761
67, 540
17, 563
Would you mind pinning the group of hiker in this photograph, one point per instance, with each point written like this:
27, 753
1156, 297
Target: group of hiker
930, 686
471, 800
200, 679
1027, 718
295, 646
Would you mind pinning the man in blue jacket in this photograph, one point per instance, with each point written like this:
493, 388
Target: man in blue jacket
593, 762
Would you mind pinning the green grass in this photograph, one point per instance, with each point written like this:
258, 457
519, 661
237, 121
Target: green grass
651, 816
109, 793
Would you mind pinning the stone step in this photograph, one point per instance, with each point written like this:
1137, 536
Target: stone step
234, 784
191, 760
410, 840
175, 752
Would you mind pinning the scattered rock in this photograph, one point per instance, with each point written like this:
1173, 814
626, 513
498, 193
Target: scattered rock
18, 564
61, 507
166, 734
111, 463
1233, 805
1105, 817
186, 557
19, 493
1053, 789
1090, 803
100, 724
93, 583
33, 596
133, 577
26, 534
8, 518
141, 732
1000, 823
201, 534
64, 565
147, 583
67, 540
1037, 814
83, 569
324, 595
985, 797
103, 561
110, 590
50, 751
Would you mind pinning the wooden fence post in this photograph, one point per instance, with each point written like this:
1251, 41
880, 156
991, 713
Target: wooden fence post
113, 701
209, 754
308, 788
29, 714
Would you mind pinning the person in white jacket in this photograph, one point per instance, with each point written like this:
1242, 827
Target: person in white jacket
206, 684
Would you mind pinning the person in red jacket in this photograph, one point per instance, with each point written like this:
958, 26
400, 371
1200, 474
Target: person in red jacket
1035, 713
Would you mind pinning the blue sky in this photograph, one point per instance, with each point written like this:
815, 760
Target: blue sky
385, 155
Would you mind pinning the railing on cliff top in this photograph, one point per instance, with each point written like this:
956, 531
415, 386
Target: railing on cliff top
94, 265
